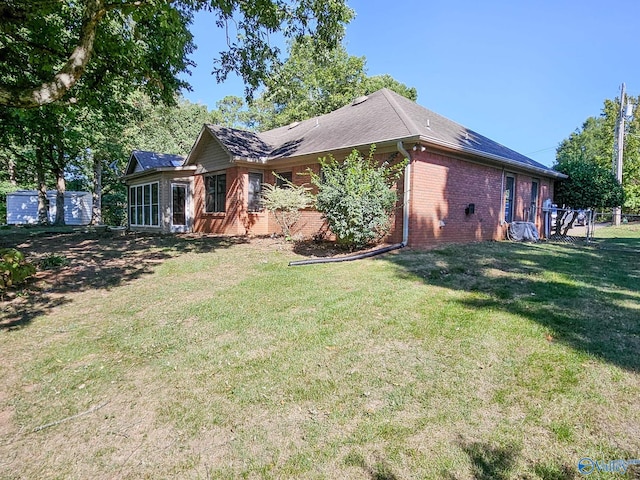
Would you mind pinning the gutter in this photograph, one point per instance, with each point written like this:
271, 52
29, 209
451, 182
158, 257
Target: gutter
131, 176
501, 160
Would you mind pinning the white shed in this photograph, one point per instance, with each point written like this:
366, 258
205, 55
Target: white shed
22, 207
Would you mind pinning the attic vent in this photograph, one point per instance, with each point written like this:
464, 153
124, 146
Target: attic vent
360, 100
294, 125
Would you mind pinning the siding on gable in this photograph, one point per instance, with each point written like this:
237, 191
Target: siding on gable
211, 156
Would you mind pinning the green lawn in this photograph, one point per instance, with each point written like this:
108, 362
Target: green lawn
212, 358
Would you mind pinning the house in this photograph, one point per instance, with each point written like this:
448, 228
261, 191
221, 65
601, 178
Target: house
22, 207
458, 185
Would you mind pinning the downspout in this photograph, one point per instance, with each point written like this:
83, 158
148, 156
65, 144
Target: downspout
407, 193
502, 202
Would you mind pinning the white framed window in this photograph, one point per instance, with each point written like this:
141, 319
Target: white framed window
254, 200
144, 205
216, 193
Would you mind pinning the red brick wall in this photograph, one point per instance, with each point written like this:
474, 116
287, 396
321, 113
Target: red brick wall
441, 188
224, 223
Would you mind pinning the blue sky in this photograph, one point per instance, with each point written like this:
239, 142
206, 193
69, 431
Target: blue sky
523, 73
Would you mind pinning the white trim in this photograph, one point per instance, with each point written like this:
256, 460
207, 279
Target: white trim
187, 217
142, 205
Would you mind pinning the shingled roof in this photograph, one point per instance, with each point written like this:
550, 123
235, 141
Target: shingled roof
381, 117
148, 160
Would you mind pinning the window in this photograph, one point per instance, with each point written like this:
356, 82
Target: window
144, 208
179, 205
509, 191
254, 202
533, 211
283, 178
216, 193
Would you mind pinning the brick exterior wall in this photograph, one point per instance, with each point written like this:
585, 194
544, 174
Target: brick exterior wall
442, 187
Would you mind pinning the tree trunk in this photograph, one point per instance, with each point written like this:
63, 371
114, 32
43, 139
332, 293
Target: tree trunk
61, 187
69, 74
96, 213
43, 202
12, 172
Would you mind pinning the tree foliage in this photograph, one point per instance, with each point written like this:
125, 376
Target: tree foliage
593, 144
48, 47
589, 186
356, 197
285, 203
306, 86
164, 128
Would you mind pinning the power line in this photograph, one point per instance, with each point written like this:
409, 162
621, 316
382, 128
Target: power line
543, 150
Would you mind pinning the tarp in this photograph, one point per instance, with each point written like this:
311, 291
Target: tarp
523, 232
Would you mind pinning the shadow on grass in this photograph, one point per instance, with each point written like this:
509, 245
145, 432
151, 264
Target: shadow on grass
92, 261
585, 298
489, 462
380, 470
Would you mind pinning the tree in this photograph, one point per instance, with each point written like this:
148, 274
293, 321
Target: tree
589, 186
164, 128
356, 197
306, 86
593, 144
47, 47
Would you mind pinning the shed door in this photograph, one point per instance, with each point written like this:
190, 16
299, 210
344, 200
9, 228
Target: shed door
179, 208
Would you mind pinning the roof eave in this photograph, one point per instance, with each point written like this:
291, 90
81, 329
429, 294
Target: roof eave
185, 168
496, 158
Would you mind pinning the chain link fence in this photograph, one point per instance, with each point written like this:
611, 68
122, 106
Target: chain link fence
586, 226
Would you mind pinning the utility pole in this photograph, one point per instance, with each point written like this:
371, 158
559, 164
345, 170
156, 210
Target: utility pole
618, 150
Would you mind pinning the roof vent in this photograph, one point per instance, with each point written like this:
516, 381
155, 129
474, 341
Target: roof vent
293, 125
359, 100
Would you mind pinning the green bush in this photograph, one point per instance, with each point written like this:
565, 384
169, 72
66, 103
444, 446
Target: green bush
357, 198
14, 269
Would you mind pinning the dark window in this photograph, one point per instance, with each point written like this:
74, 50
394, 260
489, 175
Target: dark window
533, 212
179, 200
509, 191
216, 186
284, 179
254, 201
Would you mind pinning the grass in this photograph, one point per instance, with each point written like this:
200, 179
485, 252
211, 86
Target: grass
492, 360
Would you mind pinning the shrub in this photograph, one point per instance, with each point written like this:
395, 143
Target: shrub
14, 269
52, 261
285, 203
357, 198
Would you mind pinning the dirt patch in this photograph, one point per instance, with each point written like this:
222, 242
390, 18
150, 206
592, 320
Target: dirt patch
89, 260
